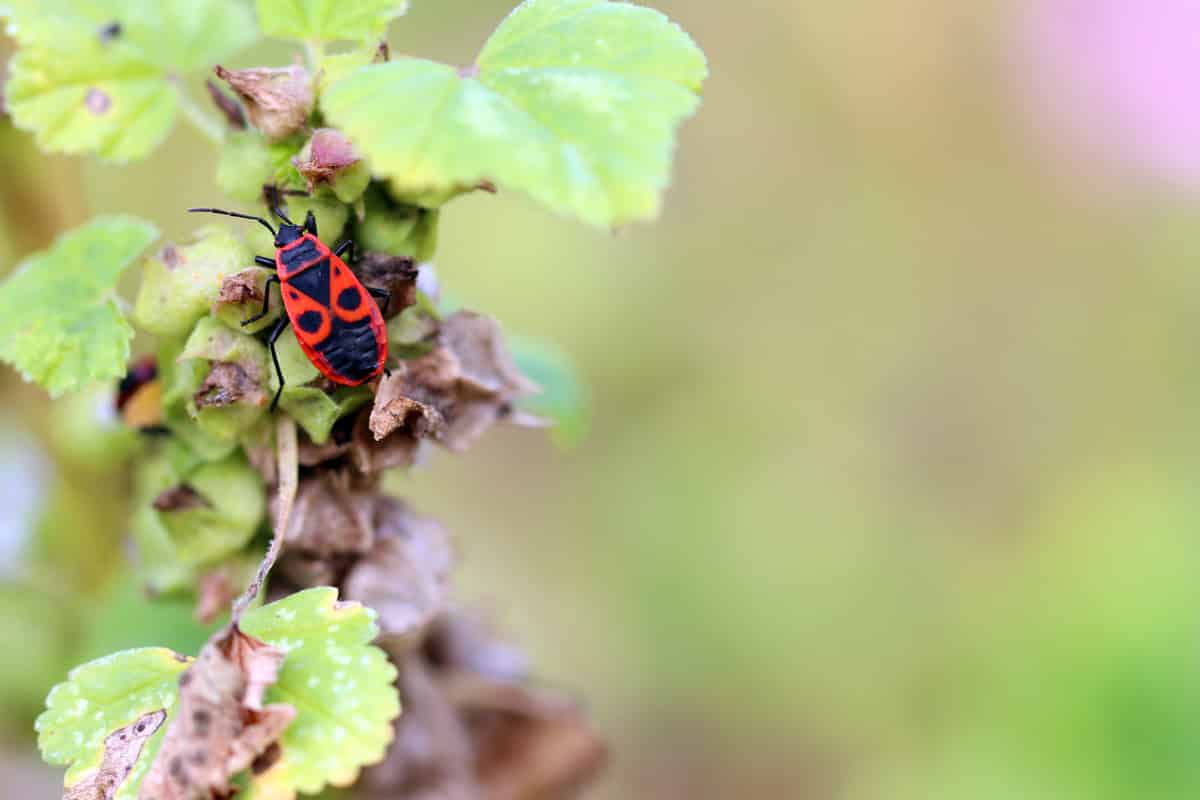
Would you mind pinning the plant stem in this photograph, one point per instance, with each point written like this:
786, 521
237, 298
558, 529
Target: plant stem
207, 125
315, 50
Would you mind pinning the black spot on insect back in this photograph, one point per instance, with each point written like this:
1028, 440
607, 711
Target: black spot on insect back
349, 298
309, 321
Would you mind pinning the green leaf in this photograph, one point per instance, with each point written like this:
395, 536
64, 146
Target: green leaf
228, 509
327, 20
110, 103
248, 162
334, 66
215, 343
341, 687
399, 230
101, 696
564, 396
574, 102
181, 283
180, 381
60, 324
86, 431
80, 91
314, 409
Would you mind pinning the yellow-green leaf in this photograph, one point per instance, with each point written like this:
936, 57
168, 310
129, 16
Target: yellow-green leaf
94, 75
341, 687
101, 696
60, 324
327, 20
574, 102
181, 283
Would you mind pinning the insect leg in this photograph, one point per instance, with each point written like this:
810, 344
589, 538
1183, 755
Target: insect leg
343, 247
263, 261
266, 300
278, 329
383, 293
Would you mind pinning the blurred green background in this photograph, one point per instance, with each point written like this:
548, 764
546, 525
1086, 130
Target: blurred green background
890, 489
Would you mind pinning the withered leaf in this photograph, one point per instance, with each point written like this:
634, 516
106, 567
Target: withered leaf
331, 449
431, 756
468, 378
329, 153
300, 570
529, 743
229, 382
214, 592
229, 108
467, 641
277, 100
401, 448
122, 748
537, 757
221, 726
330, 517
392, 409
405, 577
180, 498
241, 287
484, 363
396, 274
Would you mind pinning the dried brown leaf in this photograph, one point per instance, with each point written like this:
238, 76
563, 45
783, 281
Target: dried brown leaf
277, 100
406, 575
396, 274
180, 498
229, 108
221, 726
332, 449
305, 570
485, 364
122, 748
468, 378
462, 641
329, 153
431, 755
330, 517
215, 591
401, 448
393, 409
537, 757
529, 743
228, 382
241, 287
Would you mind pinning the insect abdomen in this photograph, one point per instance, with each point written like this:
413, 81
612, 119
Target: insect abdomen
351, 350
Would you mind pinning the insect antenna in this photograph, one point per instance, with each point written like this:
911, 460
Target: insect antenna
259, 220
278, 211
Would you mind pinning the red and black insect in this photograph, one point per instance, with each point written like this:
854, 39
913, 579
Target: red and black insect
339, 327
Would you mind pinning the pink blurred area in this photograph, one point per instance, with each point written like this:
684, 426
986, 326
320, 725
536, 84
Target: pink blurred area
1115, 82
